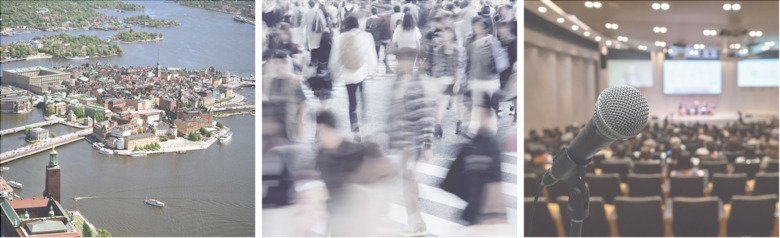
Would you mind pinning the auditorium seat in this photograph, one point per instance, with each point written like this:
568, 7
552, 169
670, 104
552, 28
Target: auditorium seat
595, 225
732, 155
752, 215
543, 224
749, 168
591, 168
772, 166
606, 186
639, 216
531, 184
726, 185
714, 166
766, 183
695, 216
642, 185
619, 167
687, 186
643, 167
598, 159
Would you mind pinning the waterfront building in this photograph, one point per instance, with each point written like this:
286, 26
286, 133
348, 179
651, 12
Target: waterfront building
92, 110
38, 79
37, 216
164, 129
140, 140
59, 108
185, 127
37, 134
15, 104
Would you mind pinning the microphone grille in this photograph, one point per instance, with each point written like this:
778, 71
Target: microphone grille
621, 112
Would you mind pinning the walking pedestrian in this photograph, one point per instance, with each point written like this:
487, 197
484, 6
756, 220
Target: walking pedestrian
352, 60
445, 63
485, 60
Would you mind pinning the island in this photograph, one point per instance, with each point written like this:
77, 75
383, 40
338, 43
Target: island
136, 36
24, 16
243, 11
64, 45
147, 21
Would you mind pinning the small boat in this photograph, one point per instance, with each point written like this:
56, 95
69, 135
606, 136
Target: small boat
154, 202
106, 151
225, 138
181, 152
17, 195
77, 58
15, 184
137, 154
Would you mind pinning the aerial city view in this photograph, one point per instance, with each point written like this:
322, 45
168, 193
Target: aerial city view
127, 118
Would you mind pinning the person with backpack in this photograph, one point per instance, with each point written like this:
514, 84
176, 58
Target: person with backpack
315, 22
282, 86
352, 60
486, 59
376, 26
406, 35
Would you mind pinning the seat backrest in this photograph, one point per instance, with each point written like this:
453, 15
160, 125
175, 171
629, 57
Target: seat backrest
687, 186
642, 185
714, 166
772, 166
639, 216
726, 185
558, 189
766, 183
750, 169
606, 186
619, 167
531, 184
751, 215
695, 216
647, 168
595, 225
543, 224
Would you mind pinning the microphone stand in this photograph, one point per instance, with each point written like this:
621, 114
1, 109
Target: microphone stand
571, 173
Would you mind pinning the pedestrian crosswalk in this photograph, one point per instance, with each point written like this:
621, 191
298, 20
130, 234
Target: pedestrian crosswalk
441, 210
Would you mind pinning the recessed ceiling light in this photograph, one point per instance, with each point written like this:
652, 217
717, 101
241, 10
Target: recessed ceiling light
575, 27
597, 4
769, 43
663, 29
736, 6
664, 6
542, 9
587, 33
660, 43
588, 4
612, 26
765, 48
642, 47
597, 38
656, 6
743, 51
709, 32
609, 42
560, 20
759, 33
727, 6
693, 52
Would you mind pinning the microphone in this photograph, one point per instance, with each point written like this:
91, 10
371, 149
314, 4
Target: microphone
620, 113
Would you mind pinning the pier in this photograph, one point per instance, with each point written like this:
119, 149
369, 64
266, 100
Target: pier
47, 144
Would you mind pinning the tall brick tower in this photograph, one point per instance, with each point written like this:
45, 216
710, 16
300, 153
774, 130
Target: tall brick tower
52, 177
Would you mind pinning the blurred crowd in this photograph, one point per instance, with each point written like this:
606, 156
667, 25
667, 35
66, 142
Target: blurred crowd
685, 145
457, 55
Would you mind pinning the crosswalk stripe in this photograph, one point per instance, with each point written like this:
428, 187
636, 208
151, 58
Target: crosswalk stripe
436, 225
505, 167
438, 195
439, 172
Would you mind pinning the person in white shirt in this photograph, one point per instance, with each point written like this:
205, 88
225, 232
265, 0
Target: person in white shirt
315, 23
407, 35
396, 17
352, 60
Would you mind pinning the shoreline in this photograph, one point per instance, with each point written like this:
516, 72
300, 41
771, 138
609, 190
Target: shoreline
189, 146
138, 41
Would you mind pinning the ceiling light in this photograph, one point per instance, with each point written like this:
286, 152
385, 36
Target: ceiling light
743, 51
671, 51
575, 27
765, 48
735, 46
587, 33
588, 4
597, 38
622, 38
656, 29
769, 43
542, 9
597, 4
663, 29
560, 20
609, 42
736, 6
727, 7
759, 33
612, 26
693, 52
642, 47
710, 32
656, 6
660, 43
664, 6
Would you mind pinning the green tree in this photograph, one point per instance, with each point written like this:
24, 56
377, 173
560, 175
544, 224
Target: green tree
220, 125
27, 130
50, 109
100, 116
86, 231
194, 136
203, 130
79, 112
103, 233
154, 131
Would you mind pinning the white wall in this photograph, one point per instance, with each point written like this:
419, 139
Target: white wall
560, 82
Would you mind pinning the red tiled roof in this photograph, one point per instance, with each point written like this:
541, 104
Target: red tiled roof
27, 203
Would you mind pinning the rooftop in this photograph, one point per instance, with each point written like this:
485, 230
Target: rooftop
40, 71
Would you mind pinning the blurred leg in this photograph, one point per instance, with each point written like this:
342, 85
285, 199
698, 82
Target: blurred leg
411, 192
351, 94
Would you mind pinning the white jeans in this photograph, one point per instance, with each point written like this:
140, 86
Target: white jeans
480, 88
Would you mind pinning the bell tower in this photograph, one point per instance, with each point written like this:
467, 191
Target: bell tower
52, 177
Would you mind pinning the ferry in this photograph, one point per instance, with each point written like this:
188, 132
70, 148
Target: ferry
154, 202
137, 154
106, 151
15, 184
226, 137
181, 152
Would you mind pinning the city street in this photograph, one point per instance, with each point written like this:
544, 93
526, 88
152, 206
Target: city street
440, 210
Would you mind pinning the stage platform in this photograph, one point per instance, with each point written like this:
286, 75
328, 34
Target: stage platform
719, 118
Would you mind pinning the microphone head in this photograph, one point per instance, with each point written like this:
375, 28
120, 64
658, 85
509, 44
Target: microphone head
621, 112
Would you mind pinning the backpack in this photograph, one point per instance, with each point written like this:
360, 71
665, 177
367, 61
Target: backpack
350, 56
375, 26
